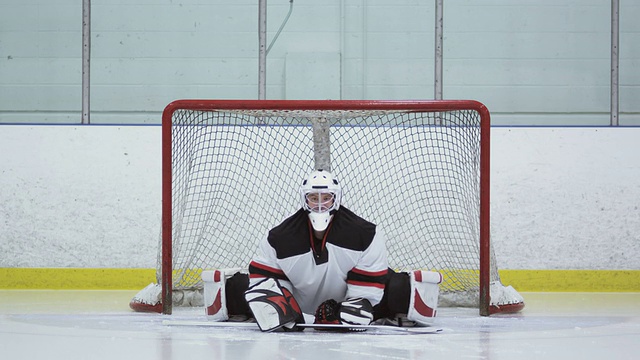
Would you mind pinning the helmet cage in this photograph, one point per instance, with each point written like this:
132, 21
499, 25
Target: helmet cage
319, 200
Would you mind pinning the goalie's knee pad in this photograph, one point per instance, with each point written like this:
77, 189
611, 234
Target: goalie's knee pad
215, 297
423, 299
273, 305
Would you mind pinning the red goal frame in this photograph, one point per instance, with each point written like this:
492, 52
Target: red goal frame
417, 105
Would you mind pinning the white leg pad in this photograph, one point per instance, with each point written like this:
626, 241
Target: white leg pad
273, 305
215, 302
423, 302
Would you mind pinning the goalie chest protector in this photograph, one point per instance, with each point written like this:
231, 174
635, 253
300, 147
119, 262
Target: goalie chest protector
320, 270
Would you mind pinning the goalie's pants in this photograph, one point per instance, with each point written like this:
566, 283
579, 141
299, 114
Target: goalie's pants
394, 301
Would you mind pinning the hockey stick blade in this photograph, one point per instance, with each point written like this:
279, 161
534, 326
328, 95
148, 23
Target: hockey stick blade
251, 325
416, 330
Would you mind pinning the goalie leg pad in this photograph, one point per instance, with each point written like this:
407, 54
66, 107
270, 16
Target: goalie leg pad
148, 299
423, 301
273, 305
215, 297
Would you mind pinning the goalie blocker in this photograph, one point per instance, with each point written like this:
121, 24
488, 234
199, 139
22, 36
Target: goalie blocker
409, 296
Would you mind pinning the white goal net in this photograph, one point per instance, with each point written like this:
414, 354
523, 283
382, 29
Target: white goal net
232, 170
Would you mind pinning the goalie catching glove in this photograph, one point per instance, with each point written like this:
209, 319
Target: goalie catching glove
353, 311
273, 306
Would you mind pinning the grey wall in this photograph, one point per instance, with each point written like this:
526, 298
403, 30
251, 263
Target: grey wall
530, 62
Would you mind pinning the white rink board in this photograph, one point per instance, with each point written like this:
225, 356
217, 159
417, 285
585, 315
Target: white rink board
89, 196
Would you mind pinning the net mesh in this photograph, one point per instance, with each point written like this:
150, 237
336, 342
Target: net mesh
236, 174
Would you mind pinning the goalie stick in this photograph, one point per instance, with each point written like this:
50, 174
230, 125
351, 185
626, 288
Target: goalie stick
355, 328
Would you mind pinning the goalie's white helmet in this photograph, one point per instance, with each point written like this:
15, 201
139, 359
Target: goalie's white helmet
321, 196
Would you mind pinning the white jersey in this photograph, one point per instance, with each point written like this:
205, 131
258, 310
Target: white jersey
350, 262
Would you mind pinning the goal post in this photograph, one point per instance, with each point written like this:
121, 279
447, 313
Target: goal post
418, 169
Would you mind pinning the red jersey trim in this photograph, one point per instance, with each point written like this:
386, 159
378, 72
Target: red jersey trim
366, 284
370, 273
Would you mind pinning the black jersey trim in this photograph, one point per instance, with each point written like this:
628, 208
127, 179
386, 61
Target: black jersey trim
367, 278
266, 271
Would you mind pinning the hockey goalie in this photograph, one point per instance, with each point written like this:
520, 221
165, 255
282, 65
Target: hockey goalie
326, 264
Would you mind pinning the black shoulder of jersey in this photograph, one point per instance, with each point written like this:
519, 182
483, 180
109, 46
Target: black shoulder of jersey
350, 231
347, 230
291, 237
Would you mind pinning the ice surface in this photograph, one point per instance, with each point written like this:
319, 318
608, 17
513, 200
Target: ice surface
67, 325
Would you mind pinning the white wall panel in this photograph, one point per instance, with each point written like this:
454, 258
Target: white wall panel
399, 46
40, 44
527, 45
401, 19
41, 16
38, 98
185, 72
541, 72
307, 16
312, 76
117, 45
535, 99
300, 42
508, 16
520, 56
176, 17
405, 72
33, 72
400, 92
